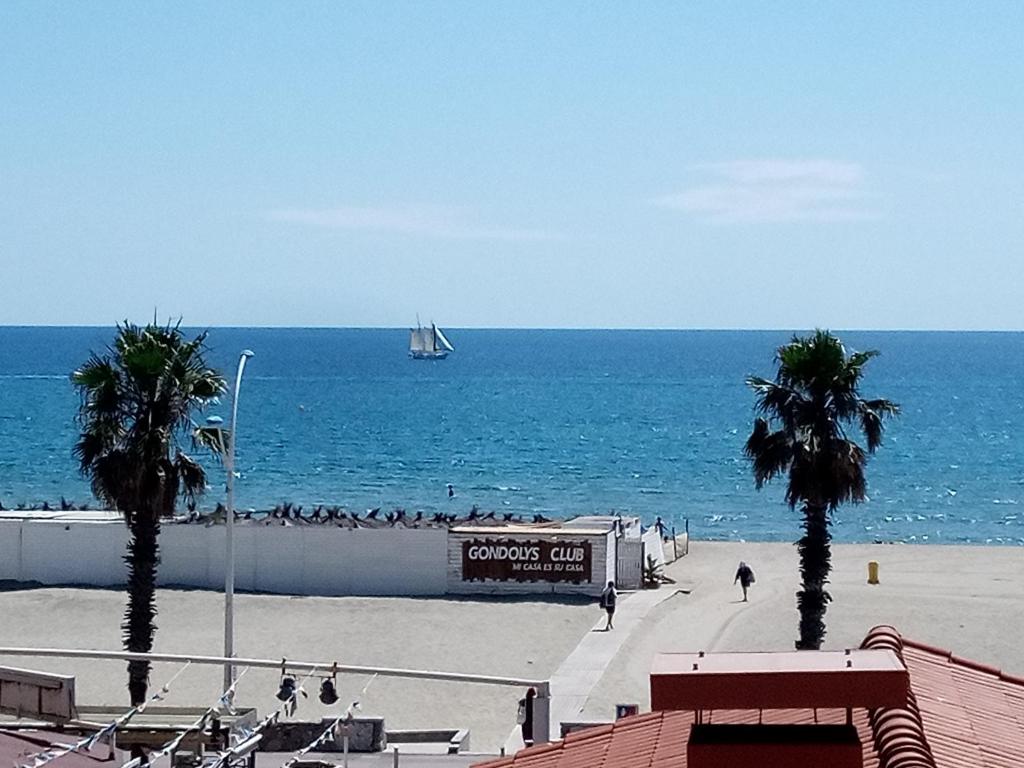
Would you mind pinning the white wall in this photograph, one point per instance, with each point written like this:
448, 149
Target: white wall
10, 550
53, 552
302, 560
653, 546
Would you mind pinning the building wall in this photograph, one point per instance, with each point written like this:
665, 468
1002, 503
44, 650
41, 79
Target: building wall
53, 552
302, 560
10, 549
602, 564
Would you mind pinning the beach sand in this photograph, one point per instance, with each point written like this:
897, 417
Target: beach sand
962, 598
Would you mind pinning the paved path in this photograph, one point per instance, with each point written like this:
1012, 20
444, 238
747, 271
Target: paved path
579, 673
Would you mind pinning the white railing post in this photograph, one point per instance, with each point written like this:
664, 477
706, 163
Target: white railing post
542, 715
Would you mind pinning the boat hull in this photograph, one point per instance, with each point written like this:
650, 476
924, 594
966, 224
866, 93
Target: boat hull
440, 355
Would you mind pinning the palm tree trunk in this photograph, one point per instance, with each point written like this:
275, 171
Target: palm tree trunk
815, 566
138, 627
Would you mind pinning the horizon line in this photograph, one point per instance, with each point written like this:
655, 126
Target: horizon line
696, 329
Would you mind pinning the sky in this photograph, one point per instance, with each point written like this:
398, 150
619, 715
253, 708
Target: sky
513, 164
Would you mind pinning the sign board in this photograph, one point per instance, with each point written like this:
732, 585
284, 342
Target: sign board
521, 560
24, 693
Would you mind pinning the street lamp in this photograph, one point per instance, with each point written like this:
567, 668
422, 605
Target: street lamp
228, 456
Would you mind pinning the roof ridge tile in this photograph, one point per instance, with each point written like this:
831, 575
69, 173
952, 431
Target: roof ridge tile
898, 732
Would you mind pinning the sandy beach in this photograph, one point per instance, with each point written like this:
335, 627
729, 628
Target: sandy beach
961, 598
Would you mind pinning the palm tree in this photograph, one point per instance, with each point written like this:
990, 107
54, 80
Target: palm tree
801, 430
137, 401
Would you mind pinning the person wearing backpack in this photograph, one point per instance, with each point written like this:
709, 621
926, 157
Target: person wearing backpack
608, 599
745, 576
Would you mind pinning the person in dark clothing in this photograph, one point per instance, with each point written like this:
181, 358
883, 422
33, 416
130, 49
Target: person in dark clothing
745, 576
608, 598
525, 716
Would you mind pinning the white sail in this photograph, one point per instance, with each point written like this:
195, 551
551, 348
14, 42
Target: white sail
440, 337
418, 340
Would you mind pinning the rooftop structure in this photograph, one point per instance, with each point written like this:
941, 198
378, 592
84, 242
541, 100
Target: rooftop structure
828, 679
955, 713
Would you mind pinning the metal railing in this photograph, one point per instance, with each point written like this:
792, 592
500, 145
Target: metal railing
541, 706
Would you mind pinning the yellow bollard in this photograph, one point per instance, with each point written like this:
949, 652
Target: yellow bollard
872, 572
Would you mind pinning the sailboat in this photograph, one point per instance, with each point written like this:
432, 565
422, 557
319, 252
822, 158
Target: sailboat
428, 343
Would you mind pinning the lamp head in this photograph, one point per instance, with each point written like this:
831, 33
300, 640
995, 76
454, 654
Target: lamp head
287, 689
247, 353
328, 693
214, 421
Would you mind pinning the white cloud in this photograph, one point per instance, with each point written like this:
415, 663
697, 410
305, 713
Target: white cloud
771, 190
425, 221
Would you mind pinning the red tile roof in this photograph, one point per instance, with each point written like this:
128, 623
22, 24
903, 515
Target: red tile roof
959, 714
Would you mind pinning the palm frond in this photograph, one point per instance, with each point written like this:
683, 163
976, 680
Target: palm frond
213, 439
846, 474
883, 407
190, 475
769, 452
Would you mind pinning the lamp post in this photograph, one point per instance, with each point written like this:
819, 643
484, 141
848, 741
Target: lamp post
229, 523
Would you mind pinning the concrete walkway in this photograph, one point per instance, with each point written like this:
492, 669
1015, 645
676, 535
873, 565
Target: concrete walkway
580, 672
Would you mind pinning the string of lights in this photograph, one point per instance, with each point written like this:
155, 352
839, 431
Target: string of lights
104, 734
288, 694
223, 703
331, 729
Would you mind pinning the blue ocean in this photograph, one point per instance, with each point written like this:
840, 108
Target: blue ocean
558, 422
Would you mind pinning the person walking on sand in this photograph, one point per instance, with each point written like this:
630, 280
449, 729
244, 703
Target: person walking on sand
745, 576
608, 598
